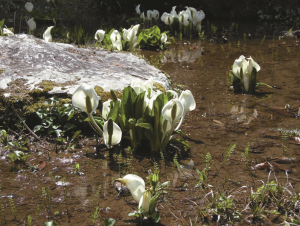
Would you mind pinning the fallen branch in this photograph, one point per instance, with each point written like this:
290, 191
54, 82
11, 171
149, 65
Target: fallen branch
12, 105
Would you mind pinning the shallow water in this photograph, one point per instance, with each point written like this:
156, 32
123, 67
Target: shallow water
220, 120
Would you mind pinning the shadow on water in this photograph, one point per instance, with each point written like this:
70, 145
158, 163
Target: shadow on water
220, 120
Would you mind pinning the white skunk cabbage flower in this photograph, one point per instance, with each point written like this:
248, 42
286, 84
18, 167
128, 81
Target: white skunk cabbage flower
149, 14
167, 18
106, 109
174, 93
135, 184
99, 35
142, 16
247, 67
188, 102
115, 38
29, 6
172, 111
131, 35
144, 203
32, 25
192, 12
79, 98
200, 15
155, 14
183, 18
7, 32
163, 38
173, 12
112, 133
47, 34
137, 9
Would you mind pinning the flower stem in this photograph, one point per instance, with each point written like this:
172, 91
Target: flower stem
95, 124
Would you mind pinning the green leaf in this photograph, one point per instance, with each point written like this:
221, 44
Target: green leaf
145, 125
109, 222
179, 141
76, 134
114, 112
156, 217
37, 128
263, 84
68, 126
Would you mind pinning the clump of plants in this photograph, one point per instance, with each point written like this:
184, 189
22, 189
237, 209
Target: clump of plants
142, 115
146, 198
243, 75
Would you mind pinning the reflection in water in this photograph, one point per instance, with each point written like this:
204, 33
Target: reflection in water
183, 52
240, 114
185, 171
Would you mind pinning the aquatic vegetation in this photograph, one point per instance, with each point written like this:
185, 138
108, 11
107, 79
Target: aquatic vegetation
185, 22
4, 31
243, 75
146, 198
152, 38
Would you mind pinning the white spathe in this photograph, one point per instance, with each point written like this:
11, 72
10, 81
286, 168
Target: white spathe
163, 38
188, 102
173, 12
47, 34
149, 14
142, 16
167, 18
200, 15
7, 32
99, 35
247, 67
137, 9
168, 109
32, 25
29, 7
144, 203
135, 184
115, 38
155, 14
79, 97
116, 134
183, 18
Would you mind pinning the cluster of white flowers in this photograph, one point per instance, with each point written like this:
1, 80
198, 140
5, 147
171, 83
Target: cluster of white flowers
186, 17
116, 39
151, 14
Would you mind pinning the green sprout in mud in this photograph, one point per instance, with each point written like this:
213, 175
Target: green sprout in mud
19, 157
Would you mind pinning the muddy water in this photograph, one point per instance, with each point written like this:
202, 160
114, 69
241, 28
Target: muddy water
220, 120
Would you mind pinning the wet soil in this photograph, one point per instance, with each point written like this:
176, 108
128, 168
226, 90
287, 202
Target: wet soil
221, 119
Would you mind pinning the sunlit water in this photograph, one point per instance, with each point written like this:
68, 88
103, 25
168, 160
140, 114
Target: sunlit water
220, 120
